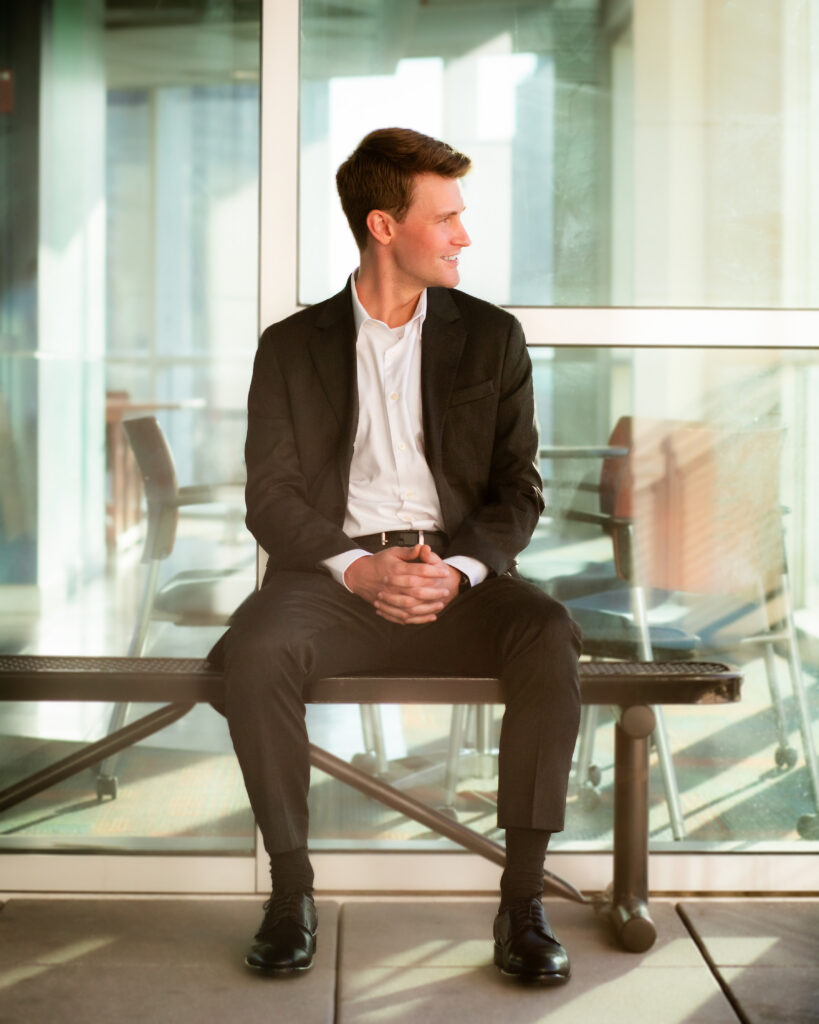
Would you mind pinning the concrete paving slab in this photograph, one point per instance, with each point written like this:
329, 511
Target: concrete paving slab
137, 932
430, 933
431, 961
99, 961
759, 932
775, 995
169, 995
451, 995
766, 954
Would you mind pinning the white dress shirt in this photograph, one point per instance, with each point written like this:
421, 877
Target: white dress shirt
391, 486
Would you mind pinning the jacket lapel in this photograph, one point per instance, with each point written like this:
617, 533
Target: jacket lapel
442, 342
332, 349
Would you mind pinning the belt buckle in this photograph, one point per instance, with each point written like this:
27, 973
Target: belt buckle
419, 534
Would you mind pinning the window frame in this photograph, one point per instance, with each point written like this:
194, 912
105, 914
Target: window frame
758, 868
765, 868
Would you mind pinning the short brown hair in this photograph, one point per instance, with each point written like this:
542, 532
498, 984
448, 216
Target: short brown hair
379, 173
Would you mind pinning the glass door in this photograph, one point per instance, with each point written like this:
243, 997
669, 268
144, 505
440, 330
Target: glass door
129, 156
641, 198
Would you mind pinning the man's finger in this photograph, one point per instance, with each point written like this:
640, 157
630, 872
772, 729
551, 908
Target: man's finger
414, 584
402, 617
417, 559
402, 621
405, 605
407, 554
405, 597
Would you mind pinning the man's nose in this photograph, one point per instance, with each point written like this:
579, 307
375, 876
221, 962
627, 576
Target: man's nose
461, 236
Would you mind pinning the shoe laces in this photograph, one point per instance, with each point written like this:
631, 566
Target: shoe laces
281, 908
526, 915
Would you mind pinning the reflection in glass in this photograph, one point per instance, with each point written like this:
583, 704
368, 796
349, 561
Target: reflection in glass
129, 235
643, 153
679, 531
681, 493
129, 290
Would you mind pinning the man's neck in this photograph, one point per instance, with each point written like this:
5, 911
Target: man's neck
383, 299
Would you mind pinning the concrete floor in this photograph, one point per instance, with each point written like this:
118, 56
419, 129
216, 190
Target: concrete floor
413, 959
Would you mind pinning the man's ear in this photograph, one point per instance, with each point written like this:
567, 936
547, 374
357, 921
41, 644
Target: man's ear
380, 225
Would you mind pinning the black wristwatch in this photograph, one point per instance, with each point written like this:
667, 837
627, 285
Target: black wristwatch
465, 583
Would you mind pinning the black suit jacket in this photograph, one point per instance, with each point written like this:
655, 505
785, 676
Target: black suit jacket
479, 430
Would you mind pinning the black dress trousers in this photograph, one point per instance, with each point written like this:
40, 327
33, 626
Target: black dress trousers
304, 625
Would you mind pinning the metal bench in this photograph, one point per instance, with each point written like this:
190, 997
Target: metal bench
179, 683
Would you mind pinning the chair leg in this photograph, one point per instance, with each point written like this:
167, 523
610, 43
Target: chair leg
784, 755
487, 752
798, 684
672, 792
586, 774
106, 772
366, 759
146, 605
808, 825
456, 736
372, 728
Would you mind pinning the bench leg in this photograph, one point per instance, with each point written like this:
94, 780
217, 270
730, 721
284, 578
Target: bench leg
628, 908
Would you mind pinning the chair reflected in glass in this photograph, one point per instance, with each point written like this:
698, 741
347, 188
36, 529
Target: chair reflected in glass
698, 567
193, 597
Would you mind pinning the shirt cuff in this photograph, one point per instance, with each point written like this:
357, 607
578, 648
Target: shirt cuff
337, 565
474, 570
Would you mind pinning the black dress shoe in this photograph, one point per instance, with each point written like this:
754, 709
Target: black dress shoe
286, 941
525, 945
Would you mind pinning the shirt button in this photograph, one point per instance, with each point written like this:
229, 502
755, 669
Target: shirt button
402, 447
394, 397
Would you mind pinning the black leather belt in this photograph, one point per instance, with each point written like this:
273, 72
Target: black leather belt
402, 539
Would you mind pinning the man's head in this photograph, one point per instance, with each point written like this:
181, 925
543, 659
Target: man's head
381, 174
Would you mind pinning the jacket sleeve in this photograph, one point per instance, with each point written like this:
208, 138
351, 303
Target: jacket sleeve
501, 521
288, 514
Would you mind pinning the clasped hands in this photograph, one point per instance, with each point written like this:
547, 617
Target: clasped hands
409, 586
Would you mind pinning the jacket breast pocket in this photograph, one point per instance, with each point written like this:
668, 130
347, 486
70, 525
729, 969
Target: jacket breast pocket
472, 393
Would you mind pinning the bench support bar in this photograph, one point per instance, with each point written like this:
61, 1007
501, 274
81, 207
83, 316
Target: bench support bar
426, 815
91, 754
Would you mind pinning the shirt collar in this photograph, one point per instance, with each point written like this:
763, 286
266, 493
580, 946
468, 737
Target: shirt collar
361, 316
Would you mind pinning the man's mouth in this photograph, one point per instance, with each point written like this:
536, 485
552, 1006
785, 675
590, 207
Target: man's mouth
452, 259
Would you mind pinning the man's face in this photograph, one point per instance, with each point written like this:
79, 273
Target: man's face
427, 242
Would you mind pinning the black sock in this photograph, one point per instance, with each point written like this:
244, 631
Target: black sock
522, 878
291, 872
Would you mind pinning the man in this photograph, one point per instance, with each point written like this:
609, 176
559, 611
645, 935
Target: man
391, 458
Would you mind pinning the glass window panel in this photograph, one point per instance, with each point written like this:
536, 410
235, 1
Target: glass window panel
129, 234
138, 292
636, 153
724, 474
